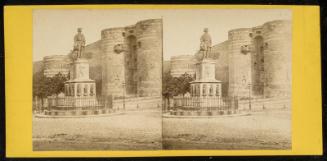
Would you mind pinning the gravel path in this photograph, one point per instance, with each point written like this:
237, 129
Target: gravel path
142, 130
131, 131
262, 130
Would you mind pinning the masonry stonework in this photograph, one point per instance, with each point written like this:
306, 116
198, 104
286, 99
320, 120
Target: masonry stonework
182, 64
92, 52
126, 60
113, 74
277, 56
56, 64
219, 52
239, 62
253, 62
149, 57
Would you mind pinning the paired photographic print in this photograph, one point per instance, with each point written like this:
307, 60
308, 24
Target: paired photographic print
170, 79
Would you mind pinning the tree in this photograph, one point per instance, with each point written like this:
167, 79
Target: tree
40, 85
57, 83
183, 83
173, 86
46, 86
168, 86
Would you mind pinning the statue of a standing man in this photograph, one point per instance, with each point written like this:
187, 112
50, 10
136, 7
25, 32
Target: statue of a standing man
205, 43
79, 43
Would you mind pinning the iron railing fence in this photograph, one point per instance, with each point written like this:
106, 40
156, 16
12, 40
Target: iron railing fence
205, 103
73, 103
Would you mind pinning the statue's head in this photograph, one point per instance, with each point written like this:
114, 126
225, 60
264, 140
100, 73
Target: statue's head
206, 30
79, 29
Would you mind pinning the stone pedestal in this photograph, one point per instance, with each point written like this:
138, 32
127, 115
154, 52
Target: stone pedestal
80, 85
205, 84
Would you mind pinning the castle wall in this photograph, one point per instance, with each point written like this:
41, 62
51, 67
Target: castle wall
139, 65
182, 64
239, 62
113, 67
259, 56
257, 61
131, 62
149, 57
56, 64
92, 52
277, 58
220, 53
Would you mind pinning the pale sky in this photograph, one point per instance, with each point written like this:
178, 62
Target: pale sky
53, 30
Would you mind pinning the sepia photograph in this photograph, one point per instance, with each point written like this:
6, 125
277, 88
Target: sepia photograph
229, 86
170, 79
97, 80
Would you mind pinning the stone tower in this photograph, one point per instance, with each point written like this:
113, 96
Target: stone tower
239, 62
132, 59
277, 58
260, 60
149, 57
113, 63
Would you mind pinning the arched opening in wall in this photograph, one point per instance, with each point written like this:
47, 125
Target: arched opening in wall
131, 65
258, 66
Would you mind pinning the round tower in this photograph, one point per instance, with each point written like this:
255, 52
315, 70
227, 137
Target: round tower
149, 57
55, 64
113, 65
277, 58
239, 58
182, 64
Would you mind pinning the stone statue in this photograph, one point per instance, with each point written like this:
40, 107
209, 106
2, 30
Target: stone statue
205, 43
79, 43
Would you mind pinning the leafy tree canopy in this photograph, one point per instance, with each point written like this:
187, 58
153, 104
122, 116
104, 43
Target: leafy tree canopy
173, 86
46, 86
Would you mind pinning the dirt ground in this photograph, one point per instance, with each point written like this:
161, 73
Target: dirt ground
130, 131
142, 130
260, 130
